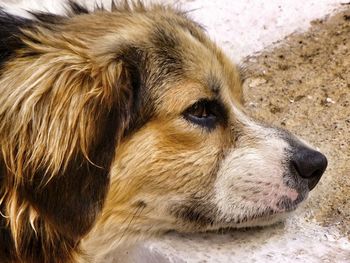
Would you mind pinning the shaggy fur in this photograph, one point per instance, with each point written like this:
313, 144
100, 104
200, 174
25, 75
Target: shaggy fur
125, 124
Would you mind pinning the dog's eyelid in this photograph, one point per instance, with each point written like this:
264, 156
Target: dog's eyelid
206, 103
207, 113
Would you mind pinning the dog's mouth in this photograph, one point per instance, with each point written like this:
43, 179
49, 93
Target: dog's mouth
258, 210
285, 204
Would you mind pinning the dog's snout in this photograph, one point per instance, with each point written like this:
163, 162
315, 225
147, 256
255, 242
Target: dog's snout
309, 164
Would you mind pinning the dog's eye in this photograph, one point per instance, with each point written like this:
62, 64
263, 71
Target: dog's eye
203, 113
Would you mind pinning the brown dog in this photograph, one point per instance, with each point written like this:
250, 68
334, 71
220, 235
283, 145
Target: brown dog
125, 124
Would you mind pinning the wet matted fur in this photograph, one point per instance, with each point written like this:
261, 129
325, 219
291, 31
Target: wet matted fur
119, 125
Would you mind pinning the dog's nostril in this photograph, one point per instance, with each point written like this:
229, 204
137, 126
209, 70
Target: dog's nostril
309, 164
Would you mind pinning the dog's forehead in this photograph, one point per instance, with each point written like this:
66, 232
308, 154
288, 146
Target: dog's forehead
192, 66
179, 64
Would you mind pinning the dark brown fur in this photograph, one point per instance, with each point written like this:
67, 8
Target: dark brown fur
68, 203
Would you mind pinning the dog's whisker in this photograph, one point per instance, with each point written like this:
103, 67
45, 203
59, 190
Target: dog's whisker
134, 215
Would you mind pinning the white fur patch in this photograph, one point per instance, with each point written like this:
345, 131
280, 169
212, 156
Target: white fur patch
250, 179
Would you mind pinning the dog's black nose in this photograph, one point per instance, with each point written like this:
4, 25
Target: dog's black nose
310, 164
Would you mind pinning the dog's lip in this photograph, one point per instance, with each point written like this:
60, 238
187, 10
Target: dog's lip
267, 214
286, 204
271, 212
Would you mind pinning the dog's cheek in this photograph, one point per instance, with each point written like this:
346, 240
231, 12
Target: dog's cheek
171, 170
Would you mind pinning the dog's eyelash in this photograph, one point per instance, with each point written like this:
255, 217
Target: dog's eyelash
205, 113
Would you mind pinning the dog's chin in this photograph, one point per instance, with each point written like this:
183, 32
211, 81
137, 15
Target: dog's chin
256, 221
284, 208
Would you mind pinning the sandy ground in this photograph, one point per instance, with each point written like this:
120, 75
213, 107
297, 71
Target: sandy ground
304, 86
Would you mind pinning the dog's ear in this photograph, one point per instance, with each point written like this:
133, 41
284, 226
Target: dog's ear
63, 112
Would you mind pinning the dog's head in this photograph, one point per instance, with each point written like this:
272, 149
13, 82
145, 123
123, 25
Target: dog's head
197, 161
144, 96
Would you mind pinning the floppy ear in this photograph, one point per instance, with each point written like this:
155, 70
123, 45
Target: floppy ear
62, 114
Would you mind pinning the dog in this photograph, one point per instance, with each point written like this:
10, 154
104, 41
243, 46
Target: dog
124, 124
